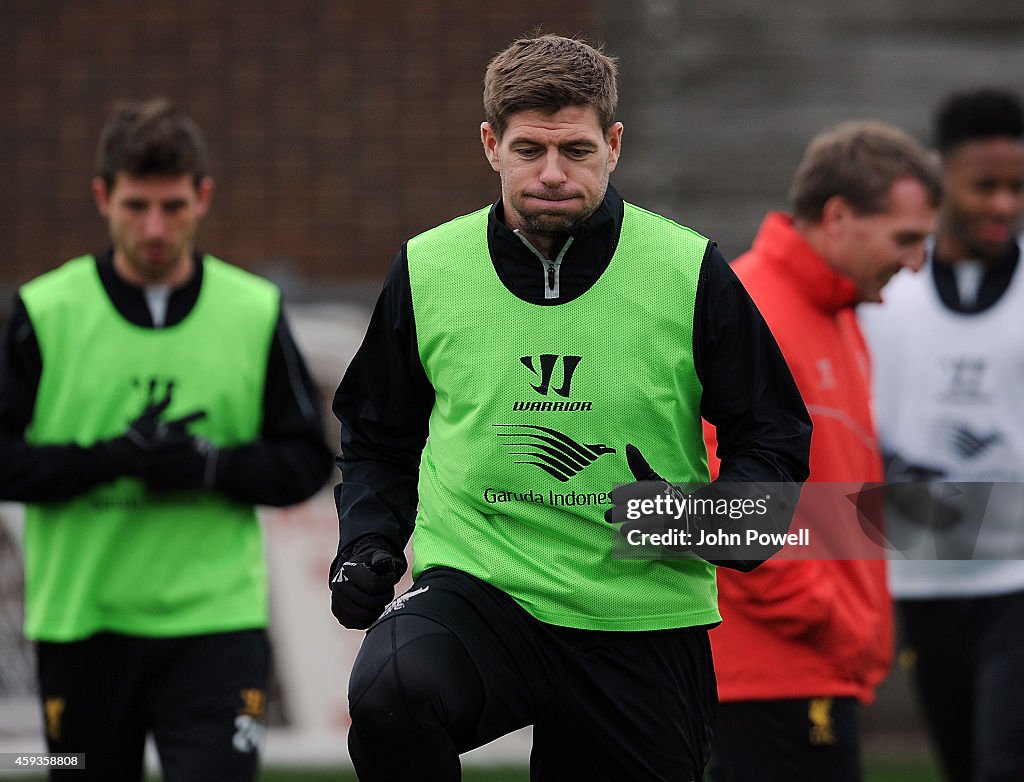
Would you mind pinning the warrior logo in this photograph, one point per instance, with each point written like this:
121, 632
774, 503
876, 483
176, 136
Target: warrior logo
554, 452
547, 368
966, 378
970, 445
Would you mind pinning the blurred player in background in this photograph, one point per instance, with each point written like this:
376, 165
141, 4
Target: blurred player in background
150, 397
949, 377
803, 643
532, 340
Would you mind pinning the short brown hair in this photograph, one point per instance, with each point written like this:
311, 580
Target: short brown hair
549, 73
150, 137
859, 161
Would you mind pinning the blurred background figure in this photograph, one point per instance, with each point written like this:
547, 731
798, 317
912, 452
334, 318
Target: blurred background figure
150, 396
948, 345
803, 643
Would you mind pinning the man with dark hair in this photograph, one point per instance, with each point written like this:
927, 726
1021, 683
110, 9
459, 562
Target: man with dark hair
150, 397
517, 363
161, 140
804, 642
949, 352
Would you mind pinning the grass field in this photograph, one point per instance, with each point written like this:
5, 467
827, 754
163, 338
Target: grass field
876, 772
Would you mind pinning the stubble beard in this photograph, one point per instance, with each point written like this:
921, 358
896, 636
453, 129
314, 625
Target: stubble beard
553, 224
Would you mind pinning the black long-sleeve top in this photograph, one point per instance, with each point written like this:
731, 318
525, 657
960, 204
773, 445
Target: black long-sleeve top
384, 400
288, 463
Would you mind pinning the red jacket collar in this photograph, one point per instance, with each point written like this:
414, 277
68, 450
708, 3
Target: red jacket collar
826, 288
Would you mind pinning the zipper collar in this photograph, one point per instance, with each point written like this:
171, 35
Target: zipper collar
551, 267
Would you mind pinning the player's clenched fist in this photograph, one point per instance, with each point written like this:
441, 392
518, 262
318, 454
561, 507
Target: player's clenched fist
363, 583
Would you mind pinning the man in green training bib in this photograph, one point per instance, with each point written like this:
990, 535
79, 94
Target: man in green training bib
521, 362
150, 397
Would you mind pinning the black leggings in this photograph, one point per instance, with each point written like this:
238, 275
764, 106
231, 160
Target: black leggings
410, 684
458, 664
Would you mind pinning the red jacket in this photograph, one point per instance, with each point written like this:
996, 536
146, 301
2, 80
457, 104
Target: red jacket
806, 628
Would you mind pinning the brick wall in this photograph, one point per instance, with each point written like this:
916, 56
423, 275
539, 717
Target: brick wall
336, 129
339, 129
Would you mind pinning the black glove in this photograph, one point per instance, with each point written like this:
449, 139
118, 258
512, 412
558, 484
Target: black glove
179, 462
921, 493
364, 582
651, 486
680, 529
162, 453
